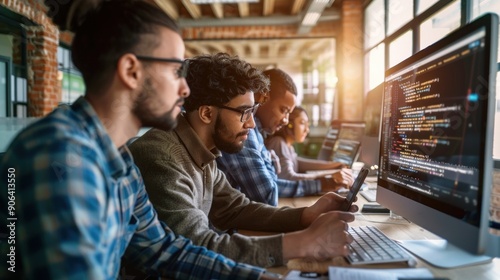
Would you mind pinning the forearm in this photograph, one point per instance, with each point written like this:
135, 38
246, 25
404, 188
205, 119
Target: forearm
155, 247
313, 164
176, 258
263, 251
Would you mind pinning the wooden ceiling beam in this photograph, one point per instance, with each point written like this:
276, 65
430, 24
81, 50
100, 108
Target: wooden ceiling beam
218, 10
268, 7
297, 6
244, 9
168, 7
193, 9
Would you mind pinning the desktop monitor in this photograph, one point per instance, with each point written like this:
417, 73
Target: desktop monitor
436, 144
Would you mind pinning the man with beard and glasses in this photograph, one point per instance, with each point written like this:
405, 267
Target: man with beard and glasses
80, 203
193, 196
253, 171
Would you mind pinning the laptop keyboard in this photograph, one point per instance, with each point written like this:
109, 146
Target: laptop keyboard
371, 246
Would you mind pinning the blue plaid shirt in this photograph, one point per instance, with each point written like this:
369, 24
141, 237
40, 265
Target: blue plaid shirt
80, 206
252, 172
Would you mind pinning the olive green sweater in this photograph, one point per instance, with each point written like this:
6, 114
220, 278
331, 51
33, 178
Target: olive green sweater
194, 198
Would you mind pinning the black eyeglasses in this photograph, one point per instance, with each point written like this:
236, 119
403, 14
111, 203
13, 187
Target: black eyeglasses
181, 72
245, 113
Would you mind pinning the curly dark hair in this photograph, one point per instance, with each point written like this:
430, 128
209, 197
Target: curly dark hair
215, 79
280, 82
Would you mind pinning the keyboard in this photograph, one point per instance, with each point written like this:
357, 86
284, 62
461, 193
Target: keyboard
371, 246
369, 194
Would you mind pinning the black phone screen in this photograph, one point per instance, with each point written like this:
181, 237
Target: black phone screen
356, 186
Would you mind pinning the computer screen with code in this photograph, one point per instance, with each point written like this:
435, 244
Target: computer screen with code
437, 135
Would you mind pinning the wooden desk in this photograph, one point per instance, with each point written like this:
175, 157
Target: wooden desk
401, 230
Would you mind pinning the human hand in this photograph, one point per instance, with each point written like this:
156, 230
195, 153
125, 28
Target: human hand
326, 203
325, 238
338, 180
343, 178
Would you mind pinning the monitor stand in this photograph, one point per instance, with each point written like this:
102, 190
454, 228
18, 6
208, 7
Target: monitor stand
442, 254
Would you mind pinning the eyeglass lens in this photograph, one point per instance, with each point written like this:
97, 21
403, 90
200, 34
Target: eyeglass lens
249, 112
183, 70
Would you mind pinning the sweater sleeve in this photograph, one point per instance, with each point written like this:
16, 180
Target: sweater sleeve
288, 160
182, 194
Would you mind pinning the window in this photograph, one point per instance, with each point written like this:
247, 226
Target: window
400, 48
4, 86
13, 83
408, 33
374, 23
399, 14
480, 7
440, 24
375, 62
71, 79
19, 92
424, 5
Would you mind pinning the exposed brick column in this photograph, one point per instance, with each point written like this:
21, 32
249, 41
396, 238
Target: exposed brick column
351, 61
44, 90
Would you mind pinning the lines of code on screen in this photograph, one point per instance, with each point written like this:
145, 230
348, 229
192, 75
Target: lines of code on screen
432, 113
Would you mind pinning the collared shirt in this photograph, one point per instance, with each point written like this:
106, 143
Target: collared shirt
252, 172
191, 194
81, 205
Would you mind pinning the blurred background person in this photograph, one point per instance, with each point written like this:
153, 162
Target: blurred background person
294, 167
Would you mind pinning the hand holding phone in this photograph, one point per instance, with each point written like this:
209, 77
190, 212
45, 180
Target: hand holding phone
356, 186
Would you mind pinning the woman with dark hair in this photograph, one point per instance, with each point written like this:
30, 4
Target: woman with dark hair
294, 167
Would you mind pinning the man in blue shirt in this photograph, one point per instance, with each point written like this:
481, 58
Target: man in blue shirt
252, 171
77, 205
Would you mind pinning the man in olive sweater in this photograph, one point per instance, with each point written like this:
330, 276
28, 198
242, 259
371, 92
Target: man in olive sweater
194, 198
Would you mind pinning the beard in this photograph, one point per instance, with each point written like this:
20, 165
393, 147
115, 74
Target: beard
142, 109
222, 143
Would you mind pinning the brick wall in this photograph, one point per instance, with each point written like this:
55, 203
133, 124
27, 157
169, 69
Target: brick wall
350, 61
44, 90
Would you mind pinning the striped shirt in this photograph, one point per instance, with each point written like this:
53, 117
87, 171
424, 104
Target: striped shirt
81, 206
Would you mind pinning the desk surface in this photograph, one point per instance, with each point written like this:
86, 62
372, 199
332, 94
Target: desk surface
403, 230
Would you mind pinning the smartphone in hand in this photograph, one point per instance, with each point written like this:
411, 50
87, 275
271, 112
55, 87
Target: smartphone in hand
353, 191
